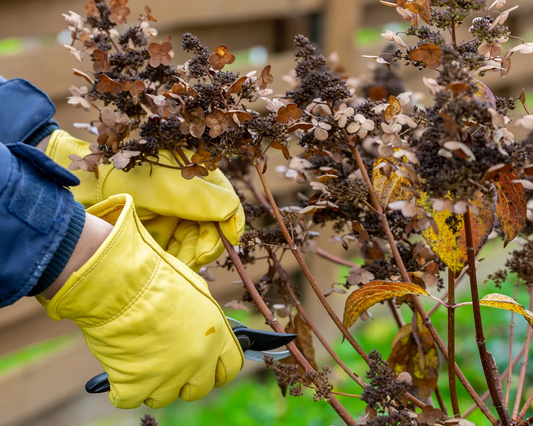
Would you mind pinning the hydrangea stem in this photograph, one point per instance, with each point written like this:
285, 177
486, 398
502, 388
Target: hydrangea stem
488, 364
451, 344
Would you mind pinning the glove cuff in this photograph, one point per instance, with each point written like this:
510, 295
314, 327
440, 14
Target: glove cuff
120, 271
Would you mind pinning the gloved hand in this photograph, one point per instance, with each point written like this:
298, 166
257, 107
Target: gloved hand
178, 213
149, 320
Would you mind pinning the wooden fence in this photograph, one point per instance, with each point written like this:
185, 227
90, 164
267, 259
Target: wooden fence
49, 391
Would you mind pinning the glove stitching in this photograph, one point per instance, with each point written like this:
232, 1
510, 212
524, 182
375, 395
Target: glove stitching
133, 301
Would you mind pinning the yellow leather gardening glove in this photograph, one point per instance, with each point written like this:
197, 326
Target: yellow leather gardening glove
178, 213
149, 319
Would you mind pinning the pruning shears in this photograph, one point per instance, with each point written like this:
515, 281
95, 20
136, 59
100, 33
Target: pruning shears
254, 343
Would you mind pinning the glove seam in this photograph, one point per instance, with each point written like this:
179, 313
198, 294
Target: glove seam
139, 294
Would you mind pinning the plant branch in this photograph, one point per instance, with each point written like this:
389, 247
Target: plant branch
276, 326
335, 259
503, 376
405, 276
523, 370
489, 366
526, 405
451, 345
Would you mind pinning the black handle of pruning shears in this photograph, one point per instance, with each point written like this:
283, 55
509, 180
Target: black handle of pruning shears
254, 343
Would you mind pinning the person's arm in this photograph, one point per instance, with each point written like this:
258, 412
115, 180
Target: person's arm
40, 223
93, 235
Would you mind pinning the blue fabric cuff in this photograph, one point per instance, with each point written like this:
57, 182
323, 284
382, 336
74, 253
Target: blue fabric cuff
63, 252
42, 132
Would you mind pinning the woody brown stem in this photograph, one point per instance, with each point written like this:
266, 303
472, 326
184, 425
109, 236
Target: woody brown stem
451, 345
276, 326
405, 276
489, 368
526, 405
335, 259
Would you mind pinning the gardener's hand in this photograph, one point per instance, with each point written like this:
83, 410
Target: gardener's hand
149, 320
178, 213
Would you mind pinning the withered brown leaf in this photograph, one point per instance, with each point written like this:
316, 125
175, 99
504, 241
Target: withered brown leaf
149, 15
429, 54
236, 87
511, 205
191, 170
119, 11
108, 85
265, 78
422, 363
101, 61
92, 10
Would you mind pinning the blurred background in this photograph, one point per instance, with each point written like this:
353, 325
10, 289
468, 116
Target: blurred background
45, 364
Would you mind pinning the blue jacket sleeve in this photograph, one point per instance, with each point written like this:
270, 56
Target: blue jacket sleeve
40, 223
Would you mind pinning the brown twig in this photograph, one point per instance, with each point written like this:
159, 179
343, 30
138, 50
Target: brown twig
441, 401
405, 276
488, 364
523, 370
511, 340
276, 326
503, 376
451, 345
526, 405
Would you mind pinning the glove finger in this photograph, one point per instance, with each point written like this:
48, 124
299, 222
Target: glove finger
126, 395
234, 226
182, 245
229, 364
159, 227
200, 384
209, 246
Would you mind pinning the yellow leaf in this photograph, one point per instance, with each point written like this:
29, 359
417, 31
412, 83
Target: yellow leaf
390, 189
449, 243
500, 301
374, 292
